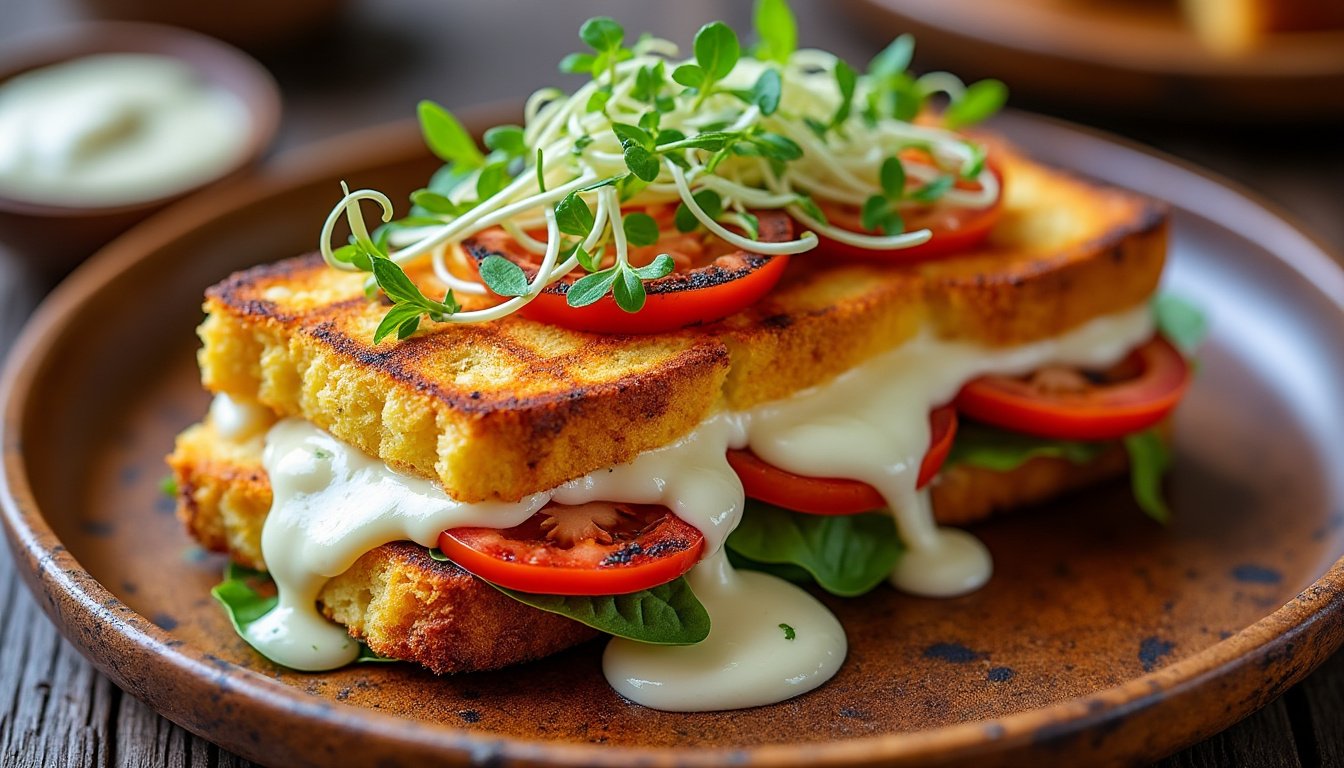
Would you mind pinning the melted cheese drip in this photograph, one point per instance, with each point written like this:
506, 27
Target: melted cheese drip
238, 420
748, 660
333, 504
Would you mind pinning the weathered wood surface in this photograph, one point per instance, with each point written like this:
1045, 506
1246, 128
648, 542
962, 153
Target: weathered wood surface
56, 710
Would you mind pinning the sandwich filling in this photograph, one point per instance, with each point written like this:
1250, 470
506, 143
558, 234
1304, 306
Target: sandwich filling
769, 639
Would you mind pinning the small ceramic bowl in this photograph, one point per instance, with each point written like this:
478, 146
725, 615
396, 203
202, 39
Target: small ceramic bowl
56, 237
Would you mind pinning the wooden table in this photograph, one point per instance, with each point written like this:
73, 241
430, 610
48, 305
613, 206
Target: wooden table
372, 65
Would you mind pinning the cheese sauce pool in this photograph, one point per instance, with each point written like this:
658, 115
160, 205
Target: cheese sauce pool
114, 129
332, 503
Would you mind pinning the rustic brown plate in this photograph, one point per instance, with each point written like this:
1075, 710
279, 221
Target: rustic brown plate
1119, 57
1102, 638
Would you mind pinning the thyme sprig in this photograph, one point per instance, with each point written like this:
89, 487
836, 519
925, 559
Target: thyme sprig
719, 135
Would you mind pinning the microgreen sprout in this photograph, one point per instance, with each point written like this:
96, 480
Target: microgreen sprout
714, 138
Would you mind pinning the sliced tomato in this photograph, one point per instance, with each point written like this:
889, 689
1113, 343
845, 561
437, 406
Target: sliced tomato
599, 548
954, 229
834, 496
1070, 404
712, 280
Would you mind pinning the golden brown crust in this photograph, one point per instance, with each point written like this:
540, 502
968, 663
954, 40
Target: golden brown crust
508, 408
409, 606
963, 494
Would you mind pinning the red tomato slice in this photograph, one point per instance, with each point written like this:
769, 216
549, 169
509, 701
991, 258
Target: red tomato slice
600, 548
712, 281
834, 496
1069, 404
954, 229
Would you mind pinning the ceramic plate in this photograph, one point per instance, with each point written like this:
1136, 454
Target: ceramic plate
1103, 636
1119, 56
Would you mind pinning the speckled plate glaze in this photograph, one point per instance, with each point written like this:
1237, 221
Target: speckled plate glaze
1103, 638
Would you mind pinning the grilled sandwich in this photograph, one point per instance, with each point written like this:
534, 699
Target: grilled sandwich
581, 472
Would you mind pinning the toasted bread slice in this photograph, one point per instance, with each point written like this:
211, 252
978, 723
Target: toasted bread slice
503, 409
407, 605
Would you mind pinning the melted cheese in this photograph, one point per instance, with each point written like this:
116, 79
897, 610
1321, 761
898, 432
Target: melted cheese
768, 641
333, 503
238, 420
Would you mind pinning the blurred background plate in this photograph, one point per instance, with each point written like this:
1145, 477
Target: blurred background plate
1117, 56
1103, 637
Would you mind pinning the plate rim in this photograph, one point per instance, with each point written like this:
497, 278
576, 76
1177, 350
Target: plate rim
142, 655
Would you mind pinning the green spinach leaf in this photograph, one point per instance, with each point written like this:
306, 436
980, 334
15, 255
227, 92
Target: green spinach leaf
999, 450
847, 555
1149, 460
668, 614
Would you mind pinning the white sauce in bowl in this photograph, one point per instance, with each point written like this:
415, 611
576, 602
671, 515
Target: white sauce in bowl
114, 129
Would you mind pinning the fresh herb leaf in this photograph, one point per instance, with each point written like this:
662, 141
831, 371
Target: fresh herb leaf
777, 147
892, 176
716, 50
628, 290
873, 213
765, 94
933, 190
632, 135
503, 276
894, 59
507, 139
789, 632
578, 63
399, 316
590, 288
669, 614
642, 163
447, 138
845, 80
433, 202
708, 200
407, 329
573, 216
848, 555
394, 282
603, 34
640, 229
1000, 450
649, 81
710, 140
980, 101
751, 224
589, 261
689, 75
492, 179
168, 486
810, 208
776, 30
661, 266
245, 604
1149, 460
1181, 322
597, 101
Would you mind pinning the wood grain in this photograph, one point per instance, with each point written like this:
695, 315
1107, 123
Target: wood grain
55, 710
